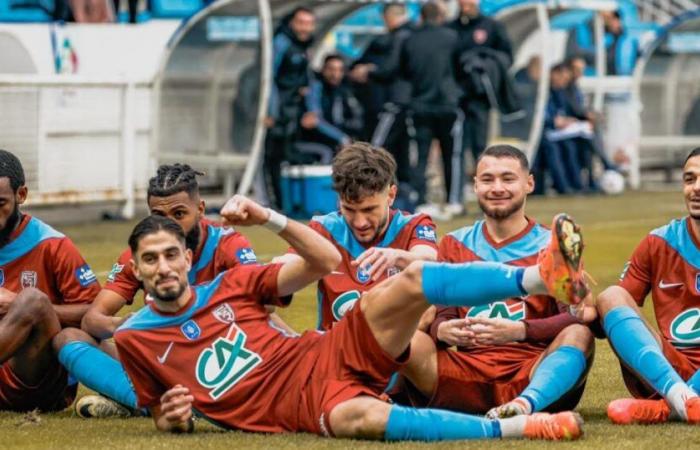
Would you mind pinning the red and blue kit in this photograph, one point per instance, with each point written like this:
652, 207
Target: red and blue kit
243, 372
338, 292
667, 265
477, 378
223, 249
40, 257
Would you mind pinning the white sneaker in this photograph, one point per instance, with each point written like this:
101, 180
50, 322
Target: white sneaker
434, 211
455, 209
96, 406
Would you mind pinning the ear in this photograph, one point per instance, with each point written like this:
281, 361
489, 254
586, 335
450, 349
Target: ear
21, 195
201, 207
393, 190
135, 269
188, 258
530, 183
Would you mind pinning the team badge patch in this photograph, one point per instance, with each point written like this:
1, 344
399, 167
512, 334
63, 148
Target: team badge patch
191, 330
2, 277
246, 256
697, 282
363, 274
224, 313
85, 275
28, 279
426, 233
116, 270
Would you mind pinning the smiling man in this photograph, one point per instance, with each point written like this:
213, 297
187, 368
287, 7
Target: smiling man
661, 368
515, 356
376, 240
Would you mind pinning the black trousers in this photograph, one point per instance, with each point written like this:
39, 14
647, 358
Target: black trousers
476, 127
446, 127
392, 134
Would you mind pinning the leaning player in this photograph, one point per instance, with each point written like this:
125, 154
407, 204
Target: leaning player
516, 356
173, 193
211, 349
660, 369
45, 284
375, 240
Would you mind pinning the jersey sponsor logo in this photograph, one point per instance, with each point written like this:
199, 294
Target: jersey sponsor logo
480, 36
116, 270
191, 330
161, 359
224, 313
499, 310
362, 274
664, 285
2, 277
224, 364
246, 256
426, 233
344, 303
624, 270
685, 328
28, 279
85, 275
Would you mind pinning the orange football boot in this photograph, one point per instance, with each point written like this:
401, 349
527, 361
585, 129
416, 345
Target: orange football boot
554, 427
626, 411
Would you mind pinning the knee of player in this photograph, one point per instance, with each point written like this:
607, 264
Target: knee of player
610, 298
68, 335
360, 418
579, 336
413, 278
32, 305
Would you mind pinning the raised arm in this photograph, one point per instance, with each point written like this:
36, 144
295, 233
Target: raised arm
100, 320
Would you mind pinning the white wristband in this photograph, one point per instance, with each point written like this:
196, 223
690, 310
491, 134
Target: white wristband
277, 222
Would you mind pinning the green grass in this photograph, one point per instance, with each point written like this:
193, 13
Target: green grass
612, 228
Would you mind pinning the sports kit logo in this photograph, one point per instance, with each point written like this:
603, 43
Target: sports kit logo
499, 310
85, 275
344, 303
28, 279
624, 270
191, 330
224, 364
246, 256
116, 270
685, 328
2, 277
697, 282
362, 274
426, 233
224, 313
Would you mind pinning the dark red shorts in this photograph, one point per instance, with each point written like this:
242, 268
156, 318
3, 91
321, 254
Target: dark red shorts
51, 394
350, 363
686, 366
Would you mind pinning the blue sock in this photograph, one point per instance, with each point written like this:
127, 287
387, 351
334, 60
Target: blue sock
471, 284
413, 424
98, 371
636, 346
694, 382
555, 376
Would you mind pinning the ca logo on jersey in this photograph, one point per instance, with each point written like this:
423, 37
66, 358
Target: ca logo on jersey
224, 364
85, 275
499, 310
344, 303
685, 328
426, 233
246, 256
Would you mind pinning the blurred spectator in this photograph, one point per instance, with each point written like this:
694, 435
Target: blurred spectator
383, 95
290, 81
333, 115
526, 84
133, 6
691, 126
92, 11
427, 62
622, 48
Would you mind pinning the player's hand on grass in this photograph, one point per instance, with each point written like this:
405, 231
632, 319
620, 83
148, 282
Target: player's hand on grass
242, 211
455, 332
496, 331
377, 261
176, 410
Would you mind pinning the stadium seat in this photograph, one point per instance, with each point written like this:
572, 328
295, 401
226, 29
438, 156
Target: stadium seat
175, 9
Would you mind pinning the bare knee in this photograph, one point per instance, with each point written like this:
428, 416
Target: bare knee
68, 335
31, 306
613, 297
363, 418
578, 336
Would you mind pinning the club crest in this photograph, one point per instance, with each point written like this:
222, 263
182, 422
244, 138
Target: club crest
191, 330
28, 279
224, 313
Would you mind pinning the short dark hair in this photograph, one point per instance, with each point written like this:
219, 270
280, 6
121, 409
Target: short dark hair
506, 151
331, 57
11, 167
299, 9
172, 179
431, 12
151, 225
693, 153
560, 67
360, 169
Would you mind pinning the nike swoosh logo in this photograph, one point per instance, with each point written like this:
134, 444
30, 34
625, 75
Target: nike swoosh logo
663, 285
161, 359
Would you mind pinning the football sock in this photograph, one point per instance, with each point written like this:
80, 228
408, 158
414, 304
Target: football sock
413, 424
694, 382
98, 371
513, 427
556, 375
470, 284
636, 346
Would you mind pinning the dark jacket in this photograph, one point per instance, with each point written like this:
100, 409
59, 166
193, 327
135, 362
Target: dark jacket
339, 113
290, 72
483, 75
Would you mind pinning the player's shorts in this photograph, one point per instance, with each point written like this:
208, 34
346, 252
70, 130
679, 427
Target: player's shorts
350, 363
52, 393
485, 377
686, 365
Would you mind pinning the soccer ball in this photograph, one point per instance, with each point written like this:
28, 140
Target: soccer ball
612, 182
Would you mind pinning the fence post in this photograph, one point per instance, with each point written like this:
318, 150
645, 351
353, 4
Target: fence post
127, 149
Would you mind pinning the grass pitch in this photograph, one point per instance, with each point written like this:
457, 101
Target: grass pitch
612, 227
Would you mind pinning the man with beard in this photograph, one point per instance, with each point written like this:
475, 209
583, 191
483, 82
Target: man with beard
44, 285
517, 356
173, 193
376, 241
661, 369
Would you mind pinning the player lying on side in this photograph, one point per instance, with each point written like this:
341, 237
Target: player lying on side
173, 192
45, 284
661, 369
518, 356
210, 348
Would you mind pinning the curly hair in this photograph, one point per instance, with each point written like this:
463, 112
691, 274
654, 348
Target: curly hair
360, 169
172, 179
11, 167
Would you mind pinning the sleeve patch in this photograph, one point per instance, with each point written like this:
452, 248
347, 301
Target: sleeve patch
246, 256
116, 270
624, 270
85, 275
426, 233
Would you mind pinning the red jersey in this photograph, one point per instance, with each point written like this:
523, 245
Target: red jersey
223, 249
667, 264
474, 243
338, 291
39, 256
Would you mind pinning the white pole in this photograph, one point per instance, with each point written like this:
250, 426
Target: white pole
537, 123
127, 150
600, 61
